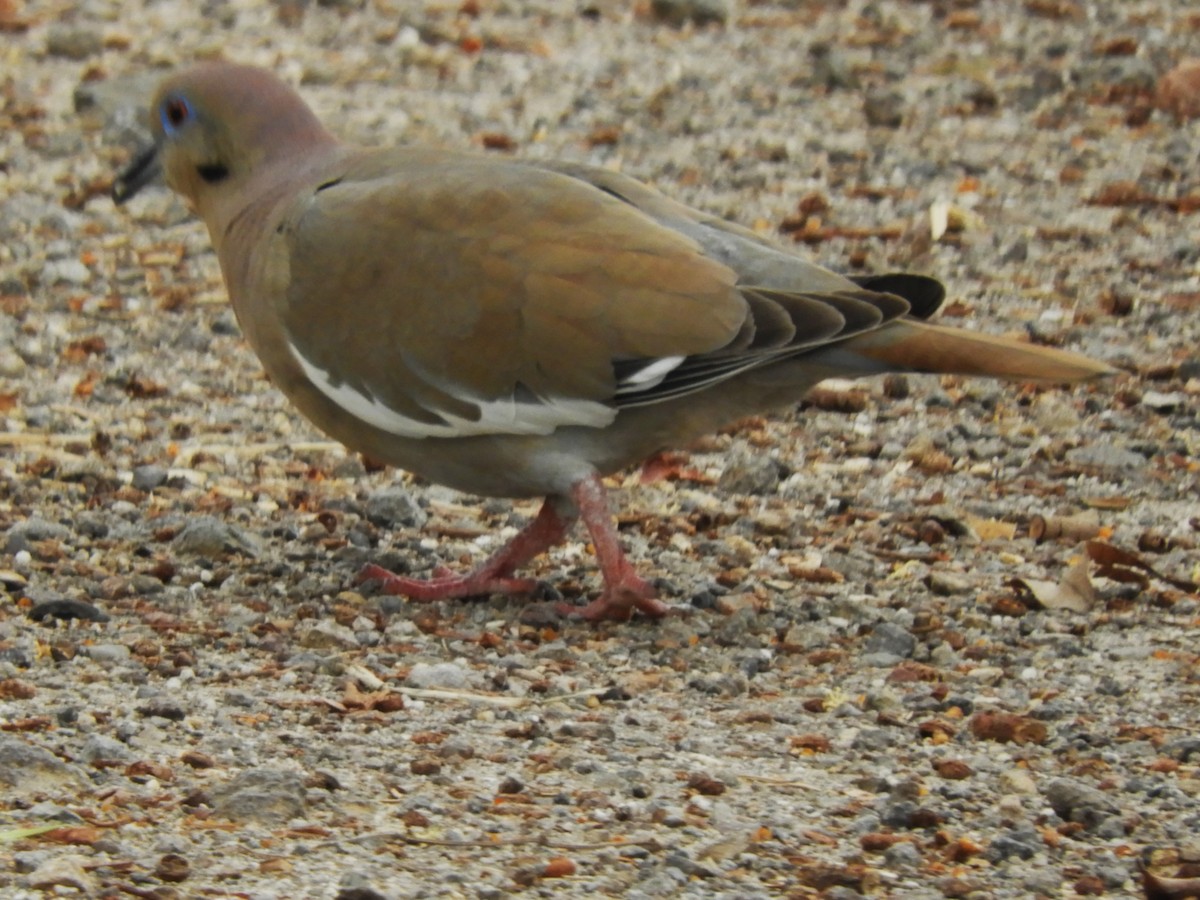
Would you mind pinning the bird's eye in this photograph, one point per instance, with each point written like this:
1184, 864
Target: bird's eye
175, 113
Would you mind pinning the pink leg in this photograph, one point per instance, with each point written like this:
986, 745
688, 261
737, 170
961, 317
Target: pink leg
495, 575
624, 589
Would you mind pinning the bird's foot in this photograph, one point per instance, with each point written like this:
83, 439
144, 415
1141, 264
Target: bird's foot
493, 577
445, 585
618, 602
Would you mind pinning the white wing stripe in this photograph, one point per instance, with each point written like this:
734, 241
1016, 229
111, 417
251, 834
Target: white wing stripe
649, 376
503, 416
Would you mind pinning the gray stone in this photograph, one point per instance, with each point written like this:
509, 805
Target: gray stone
328, 635
903, 855
444, 676
1019, 843
66, 271
28, 767
23, 535
893, 639
52, 812
1043, 881
898, 814
99, 746
1017, 252
691, 868
269, 796
874, 739
29, 860
210, 537
106, 653
395, 507
1106, 456
1114, 875
1074, 801
64, 871
147, 478
1184, 749
751, 475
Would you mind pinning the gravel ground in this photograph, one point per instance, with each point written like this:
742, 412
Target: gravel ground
878, 682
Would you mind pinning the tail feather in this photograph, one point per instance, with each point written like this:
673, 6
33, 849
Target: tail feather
907, 345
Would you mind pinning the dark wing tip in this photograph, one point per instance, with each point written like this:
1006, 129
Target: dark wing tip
924, 294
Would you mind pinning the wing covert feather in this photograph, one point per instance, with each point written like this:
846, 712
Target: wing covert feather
477, 279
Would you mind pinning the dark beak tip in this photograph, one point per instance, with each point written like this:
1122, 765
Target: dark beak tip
120, 191
140, 172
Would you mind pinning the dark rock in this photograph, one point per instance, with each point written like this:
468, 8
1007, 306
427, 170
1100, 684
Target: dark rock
65, 609
884, 109
701, 12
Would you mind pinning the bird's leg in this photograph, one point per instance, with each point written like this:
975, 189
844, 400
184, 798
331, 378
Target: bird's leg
624, 589
494, 576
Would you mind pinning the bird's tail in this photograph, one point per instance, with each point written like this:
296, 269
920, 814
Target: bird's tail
907, 345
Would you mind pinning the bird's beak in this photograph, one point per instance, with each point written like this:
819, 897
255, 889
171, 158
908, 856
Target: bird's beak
144, 169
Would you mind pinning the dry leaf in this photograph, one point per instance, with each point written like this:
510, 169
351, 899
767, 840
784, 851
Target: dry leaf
74, 835
1123, 566
1073, 592
379, 701
1008, 727
671, 466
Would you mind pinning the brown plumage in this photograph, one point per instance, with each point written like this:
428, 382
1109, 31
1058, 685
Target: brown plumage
519, 328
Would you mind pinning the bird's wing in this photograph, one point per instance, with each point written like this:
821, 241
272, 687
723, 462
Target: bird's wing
475, 296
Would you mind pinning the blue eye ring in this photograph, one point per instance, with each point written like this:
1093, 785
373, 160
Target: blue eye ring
174, 113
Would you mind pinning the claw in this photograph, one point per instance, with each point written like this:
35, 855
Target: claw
625, 592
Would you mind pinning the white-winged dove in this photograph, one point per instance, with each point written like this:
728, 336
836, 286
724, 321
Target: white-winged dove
514, 327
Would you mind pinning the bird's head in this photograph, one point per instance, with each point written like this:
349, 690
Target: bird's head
215, 126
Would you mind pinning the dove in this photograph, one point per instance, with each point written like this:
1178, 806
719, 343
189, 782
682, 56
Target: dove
519, 328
